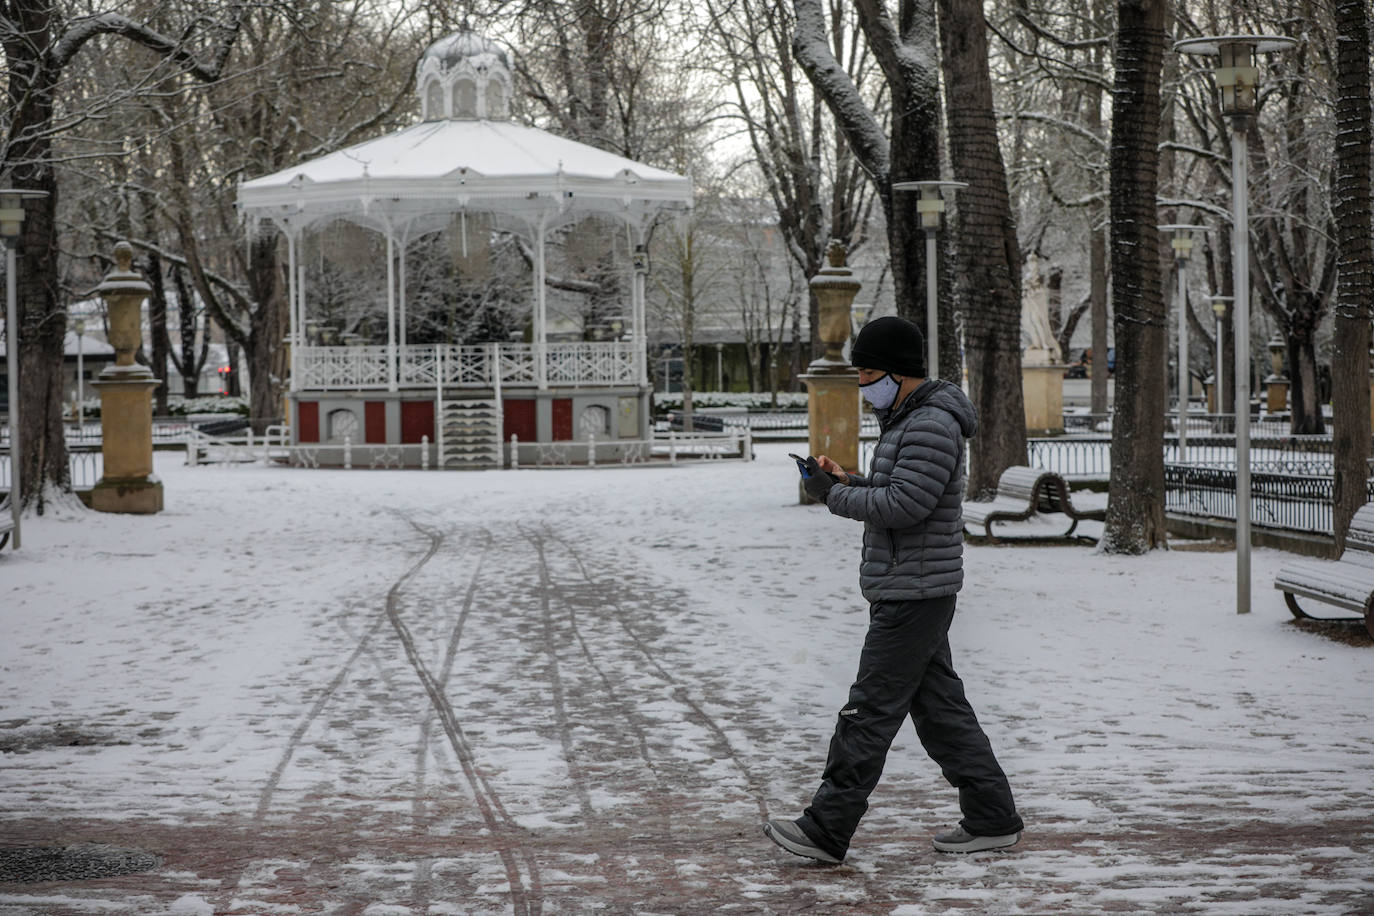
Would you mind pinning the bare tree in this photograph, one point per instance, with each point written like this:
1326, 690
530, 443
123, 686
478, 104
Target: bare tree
815, 183
1135, 508
41, 40
990, 254
1355, 291
309, 79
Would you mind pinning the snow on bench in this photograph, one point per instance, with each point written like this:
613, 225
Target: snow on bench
1023, 492
1347, 582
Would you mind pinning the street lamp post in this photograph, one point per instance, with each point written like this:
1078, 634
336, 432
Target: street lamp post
11, 221
79, 326
931, 206
1237, 77
1182, 243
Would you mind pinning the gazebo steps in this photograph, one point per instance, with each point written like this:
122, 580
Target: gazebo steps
470, 434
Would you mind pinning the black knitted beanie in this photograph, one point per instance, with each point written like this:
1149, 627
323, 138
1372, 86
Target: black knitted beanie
892, 344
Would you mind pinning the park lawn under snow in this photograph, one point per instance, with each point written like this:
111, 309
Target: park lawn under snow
201, 653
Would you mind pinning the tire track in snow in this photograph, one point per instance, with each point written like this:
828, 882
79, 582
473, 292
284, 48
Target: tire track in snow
613, 694
525, 902
298, 735
293, 744
560, 705
680, 691
424, 867
608, 862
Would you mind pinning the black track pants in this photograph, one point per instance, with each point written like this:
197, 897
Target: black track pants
906, 669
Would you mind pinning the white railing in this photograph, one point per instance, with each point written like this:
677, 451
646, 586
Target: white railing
471, 366
574, 363
343, 367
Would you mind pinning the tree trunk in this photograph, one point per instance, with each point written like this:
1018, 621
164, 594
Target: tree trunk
233, 384
1097, 268
37, 341
1097, 260
990, 278
1302, 383
266, 357
914, 154
157, 326
1350, 370
1135, 509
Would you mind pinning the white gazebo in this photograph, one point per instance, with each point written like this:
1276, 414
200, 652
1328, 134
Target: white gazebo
465, 157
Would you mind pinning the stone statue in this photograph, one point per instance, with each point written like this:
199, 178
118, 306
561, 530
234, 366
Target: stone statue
1037, 336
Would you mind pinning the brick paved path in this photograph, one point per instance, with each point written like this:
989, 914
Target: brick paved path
507, 721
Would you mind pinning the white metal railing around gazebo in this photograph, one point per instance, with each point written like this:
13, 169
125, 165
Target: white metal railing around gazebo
468, 366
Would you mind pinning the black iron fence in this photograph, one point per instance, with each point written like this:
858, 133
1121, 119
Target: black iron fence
1286, 501
1090, 456
84, 462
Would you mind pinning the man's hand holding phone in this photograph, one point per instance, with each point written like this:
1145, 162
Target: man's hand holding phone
833, 469
819, 475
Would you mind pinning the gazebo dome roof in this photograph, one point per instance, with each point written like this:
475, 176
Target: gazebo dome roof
464, 76
465, 154
465, 45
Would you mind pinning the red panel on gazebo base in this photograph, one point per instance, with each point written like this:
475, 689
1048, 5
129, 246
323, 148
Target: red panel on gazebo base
308, 413
374, 422
518, 416
562, 419
417, 421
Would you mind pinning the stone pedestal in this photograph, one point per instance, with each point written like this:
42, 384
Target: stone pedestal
1276, 394
1042, 387
126, 407
832, 385
833, 416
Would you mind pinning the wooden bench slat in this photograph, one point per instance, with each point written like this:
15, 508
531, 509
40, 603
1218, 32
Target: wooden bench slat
1348, 582
1023, 492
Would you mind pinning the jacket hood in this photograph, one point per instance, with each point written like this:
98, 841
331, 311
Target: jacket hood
947, 397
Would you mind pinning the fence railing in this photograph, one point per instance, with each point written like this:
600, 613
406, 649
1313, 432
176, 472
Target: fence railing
468, 366
1090, 456
85, 463
1285, 501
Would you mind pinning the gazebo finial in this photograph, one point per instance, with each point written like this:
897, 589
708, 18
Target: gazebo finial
464, 76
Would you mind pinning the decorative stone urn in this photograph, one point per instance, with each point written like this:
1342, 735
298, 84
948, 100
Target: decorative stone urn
832, 384
835, 289
126, 407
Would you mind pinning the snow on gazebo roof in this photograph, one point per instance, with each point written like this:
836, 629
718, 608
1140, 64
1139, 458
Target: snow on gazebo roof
464, 156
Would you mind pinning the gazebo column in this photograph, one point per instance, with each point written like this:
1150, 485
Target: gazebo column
402, 285
390, 311
302, 321
639, 333
294, 333
541, 341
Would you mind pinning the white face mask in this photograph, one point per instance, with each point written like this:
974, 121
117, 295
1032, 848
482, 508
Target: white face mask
881, 392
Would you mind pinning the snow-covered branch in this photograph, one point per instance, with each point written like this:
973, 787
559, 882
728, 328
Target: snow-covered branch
858, 123
1061, 123
109, 23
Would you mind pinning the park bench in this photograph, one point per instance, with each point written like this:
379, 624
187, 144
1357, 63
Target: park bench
1023, 492
701, 422
225, 427
1347, 583
6, 521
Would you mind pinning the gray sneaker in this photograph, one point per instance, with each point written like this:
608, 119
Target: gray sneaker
790, 837
960, 840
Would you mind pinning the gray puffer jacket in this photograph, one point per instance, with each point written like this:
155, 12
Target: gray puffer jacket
911, 501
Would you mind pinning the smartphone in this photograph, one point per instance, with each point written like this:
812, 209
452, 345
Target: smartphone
801, 464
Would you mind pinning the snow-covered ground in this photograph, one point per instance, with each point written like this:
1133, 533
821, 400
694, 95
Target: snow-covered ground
554, 691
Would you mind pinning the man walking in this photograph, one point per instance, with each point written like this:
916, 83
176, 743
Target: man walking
911, 569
